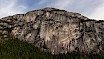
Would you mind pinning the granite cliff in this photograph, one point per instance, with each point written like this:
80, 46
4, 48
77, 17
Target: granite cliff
55, 30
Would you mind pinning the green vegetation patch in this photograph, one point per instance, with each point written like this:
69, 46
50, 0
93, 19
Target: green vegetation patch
15, 49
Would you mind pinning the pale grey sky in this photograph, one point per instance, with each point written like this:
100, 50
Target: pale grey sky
91, 8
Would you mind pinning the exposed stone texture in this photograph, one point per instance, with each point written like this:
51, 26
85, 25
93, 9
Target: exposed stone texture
56, 31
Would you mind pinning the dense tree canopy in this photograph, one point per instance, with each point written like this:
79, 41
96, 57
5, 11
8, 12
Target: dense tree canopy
15, 49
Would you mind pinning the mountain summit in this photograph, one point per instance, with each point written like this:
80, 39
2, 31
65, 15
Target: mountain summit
55, 30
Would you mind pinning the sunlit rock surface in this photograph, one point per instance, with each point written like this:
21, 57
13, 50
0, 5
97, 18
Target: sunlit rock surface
55, 31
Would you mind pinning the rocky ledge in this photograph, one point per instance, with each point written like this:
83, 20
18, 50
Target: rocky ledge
55, 30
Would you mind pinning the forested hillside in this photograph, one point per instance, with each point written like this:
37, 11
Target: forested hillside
15, 49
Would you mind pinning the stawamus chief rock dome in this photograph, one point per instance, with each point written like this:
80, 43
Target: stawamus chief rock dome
55, 31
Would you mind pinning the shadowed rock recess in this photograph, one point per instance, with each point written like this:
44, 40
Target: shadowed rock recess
55, 31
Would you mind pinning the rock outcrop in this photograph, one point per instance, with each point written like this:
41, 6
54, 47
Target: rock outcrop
55, 31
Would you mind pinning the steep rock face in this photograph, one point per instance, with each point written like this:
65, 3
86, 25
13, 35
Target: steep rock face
56, 31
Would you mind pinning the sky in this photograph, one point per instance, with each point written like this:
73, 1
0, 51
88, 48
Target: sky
92, 9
